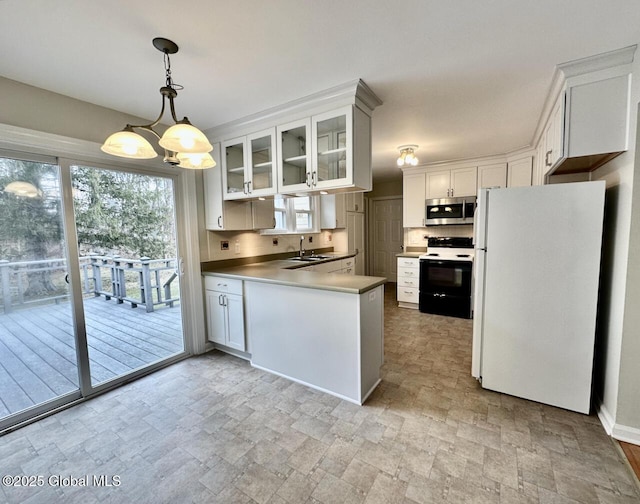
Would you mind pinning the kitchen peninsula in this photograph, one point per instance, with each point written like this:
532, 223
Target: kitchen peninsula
323, 330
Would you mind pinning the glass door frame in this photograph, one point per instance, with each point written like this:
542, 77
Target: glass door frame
184, 186
75, 280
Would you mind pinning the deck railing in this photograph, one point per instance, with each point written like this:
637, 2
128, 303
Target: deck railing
108, 276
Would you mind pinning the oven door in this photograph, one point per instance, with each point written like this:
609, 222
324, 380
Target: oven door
445, 287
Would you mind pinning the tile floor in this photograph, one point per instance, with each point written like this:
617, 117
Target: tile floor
212, 429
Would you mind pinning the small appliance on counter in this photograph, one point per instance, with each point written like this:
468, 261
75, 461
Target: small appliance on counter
446, 277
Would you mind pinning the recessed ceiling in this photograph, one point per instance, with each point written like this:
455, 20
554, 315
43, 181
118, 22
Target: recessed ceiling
460, 78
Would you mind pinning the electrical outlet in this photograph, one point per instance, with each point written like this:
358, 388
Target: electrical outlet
275, 242
224, 245
311, 239
237, 246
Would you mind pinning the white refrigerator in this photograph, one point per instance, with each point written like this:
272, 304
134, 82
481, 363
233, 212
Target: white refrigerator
537, 271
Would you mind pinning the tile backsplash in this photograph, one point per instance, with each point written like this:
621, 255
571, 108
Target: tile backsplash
417, 237
252, 243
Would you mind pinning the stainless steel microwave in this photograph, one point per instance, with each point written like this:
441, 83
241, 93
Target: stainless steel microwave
447, 211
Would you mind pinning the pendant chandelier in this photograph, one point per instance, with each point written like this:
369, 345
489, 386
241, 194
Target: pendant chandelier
184, 145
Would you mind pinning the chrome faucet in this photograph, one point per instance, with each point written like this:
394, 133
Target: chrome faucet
301, 246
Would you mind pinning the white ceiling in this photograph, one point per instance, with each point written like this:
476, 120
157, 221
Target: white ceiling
460, 78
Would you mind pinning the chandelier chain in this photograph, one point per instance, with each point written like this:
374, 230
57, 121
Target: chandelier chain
169, 79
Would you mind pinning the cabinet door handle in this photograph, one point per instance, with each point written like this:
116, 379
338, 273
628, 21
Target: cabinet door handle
452, 192
249, 187
220, 302
307, 181
408, 282
314, 178
220, 221
546, 158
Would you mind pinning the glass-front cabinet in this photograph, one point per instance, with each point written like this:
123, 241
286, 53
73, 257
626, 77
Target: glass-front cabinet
294, 156
234, 167
318, 153
249, 165
261, 148
332, 149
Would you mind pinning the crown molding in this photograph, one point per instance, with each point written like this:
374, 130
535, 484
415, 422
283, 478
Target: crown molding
355, 92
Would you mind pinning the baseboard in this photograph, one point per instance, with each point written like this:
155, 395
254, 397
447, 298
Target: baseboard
615, 430
315, 387
606, 419
626, 434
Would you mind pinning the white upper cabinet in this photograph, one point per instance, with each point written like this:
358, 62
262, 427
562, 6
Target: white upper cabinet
494, 175
553, 135
221, 215
261, 150
588, 124
355, 202
451, 183
413, 199
294, 156
234, 168
318, 144
520, 172
332, 149
325, 152
248, 166
333, 213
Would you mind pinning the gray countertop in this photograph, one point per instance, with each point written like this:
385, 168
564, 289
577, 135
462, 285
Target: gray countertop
287, 272
410, 254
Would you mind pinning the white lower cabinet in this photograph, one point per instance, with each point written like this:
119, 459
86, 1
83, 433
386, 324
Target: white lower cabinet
225, 312
408, 282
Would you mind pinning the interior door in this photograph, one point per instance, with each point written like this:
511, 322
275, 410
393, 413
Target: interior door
38, 358
387, 232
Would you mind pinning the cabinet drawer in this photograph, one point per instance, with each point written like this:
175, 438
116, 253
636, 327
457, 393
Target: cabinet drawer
222, 284
408, 262
350, 262
408, 272
407, 282
408, 294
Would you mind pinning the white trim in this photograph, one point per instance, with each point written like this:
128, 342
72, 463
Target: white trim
38, 142
606, 419
615, 430
315, 387
354, 92
626, 434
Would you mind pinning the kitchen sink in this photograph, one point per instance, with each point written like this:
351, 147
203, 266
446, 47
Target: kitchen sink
308, 258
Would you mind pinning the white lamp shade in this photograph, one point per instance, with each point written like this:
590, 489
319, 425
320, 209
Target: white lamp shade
185, 138
21, 188
196, 161
128, 144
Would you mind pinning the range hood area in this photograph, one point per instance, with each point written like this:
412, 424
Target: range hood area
589, 122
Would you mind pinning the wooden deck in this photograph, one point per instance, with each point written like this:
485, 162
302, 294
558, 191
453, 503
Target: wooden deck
37, 348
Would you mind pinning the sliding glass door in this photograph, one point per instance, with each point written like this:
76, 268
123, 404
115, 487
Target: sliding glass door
128, 265
89, 281
38, 358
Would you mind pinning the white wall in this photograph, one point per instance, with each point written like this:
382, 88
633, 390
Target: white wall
617, 351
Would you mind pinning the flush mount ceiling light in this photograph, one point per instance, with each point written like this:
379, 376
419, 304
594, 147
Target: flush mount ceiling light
184, 145
407, 156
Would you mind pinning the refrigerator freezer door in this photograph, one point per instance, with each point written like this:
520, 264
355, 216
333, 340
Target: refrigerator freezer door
541, 288
479, 235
